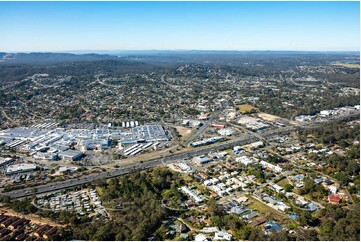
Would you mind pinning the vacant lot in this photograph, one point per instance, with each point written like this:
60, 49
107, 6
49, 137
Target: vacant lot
246, 108
347, 65
184, 132
268, 117
283, 182
268, 212
34, 218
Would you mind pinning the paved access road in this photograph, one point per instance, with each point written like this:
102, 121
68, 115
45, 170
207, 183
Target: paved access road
200, 130
56, 186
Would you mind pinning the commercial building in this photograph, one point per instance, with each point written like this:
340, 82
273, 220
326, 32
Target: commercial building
237, 149
45, 156
5, 161
257, 144
145, 133
183, 166
208, 141
20, 168
196, 123
59, 139
201, 159
252, 123
71, 155
94, 144
203, 116
225, 132
218, 126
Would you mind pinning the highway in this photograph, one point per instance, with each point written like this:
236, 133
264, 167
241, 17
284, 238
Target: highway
171, 157
56, 186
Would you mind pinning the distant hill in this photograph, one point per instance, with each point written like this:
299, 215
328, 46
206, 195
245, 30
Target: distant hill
46, 58
176, 57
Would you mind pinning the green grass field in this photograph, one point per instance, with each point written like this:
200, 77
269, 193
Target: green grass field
246, 108
269, 213
283, 182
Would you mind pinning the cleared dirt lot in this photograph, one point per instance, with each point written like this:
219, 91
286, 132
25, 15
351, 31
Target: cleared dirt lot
246, 108
268, 117
184, 132
32, 217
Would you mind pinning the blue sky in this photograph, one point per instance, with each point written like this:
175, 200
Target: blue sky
59, 26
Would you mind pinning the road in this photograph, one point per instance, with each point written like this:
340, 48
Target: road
5, 114
199, 131
153, 161
243, 129
56, 186
306, 169
168, 158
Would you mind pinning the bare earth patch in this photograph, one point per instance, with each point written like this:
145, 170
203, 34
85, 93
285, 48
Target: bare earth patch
347, 65
33, 217
246, 108
268, 117
184, 132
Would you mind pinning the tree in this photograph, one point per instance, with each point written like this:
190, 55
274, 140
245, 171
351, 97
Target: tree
34, 190
288, 188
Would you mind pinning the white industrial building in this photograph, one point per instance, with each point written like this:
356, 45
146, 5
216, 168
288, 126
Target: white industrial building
5, 161
237, 149
183, 166
257, 144
252, 123
70, 155
45, 143
145, 133
45, 156
208, 141
20, 168
201, 159
226, 132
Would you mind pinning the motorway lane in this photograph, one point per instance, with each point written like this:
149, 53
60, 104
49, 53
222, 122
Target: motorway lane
146, 165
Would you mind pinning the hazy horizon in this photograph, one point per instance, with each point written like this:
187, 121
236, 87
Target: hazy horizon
166, 50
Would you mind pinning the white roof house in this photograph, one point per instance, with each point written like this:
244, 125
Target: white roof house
274, 168
222, 235
277, 188
333, 189
191, 194
244, 160
200, 237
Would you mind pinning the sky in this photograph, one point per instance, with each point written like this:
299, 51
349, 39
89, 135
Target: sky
65, 26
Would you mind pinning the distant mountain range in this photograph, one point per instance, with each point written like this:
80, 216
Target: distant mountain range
156, 56
39, 57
